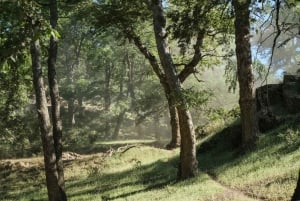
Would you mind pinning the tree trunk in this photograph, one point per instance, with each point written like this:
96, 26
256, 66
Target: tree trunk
130, 82
119, 122
71, 112
55, 102
296, 195
188, 162
174, 121
245, 75
188, 166
80, 106
71, 95
160, 74
107, 99
45, 124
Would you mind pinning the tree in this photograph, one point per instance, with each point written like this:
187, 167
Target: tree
128, 17
45, 124
27, 27
164, 68
244, 72
55, 99
34, 29
188, 162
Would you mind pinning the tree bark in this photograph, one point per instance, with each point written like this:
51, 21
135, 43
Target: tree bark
45, 124
188, 162
130, 81
245, 75
55, 102
107, 98
119, 122
296, 195
80, 106
174, 120
71, 112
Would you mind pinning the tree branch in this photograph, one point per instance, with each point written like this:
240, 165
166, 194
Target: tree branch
131, 35
191, 66
278, 32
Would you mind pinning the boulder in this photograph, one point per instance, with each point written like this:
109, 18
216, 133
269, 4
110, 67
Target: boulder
275, 100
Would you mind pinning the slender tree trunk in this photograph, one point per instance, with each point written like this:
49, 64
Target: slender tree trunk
107, 98
71, 112
55, 102
130, 82
80, 106
245, 75
157, 131
296, 195
188, 162
45, 124
119, 122
71, 94
167, 89
120, 117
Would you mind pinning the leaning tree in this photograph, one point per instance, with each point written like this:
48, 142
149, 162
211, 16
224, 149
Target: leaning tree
130, 17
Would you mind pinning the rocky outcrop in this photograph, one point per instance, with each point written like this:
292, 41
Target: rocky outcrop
291, 93
276, 100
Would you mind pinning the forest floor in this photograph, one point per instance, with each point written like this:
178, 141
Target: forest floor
138, 172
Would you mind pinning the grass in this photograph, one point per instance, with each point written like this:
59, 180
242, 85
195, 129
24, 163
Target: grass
268, 172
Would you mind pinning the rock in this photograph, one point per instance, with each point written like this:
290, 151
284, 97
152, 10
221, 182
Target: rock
267, 120
275, 100
268, 95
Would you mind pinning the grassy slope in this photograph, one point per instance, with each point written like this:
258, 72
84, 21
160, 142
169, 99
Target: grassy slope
146, 173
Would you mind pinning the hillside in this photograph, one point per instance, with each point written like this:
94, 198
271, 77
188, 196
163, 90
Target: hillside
141, 172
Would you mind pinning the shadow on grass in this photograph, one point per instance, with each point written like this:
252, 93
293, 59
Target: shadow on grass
136, 180
21, 183
220, 149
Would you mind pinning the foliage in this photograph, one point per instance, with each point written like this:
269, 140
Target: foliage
217, 119
190, 18
197, 99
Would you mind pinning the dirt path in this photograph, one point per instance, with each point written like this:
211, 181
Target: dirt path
231, 192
